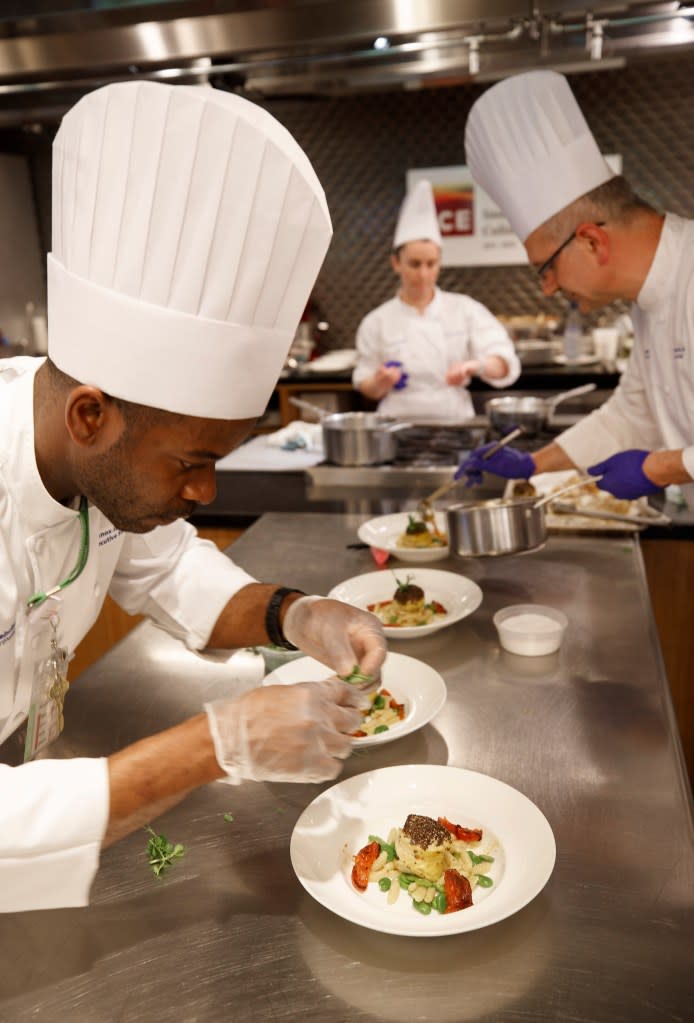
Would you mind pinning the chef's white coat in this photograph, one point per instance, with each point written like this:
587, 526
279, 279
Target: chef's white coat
452, 328
53, 813
653, 406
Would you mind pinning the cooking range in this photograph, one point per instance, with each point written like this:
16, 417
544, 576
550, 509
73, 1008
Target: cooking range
426, 452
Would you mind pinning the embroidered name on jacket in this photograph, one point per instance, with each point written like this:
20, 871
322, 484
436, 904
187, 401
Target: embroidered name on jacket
7, 635
109, 535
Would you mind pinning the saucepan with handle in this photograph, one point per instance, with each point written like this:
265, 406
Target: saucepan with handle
356, 438
503, 525
529, 412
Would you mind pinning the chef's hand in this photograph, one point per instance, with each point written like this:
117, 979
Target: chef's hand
460, 374
507, 462
623, 475
337, 634
286, 733
396, 373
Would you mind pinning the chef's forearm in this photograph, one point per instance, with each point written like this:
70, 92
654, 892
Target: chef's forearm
152, 775
242, 621
551, 458
493, 367
665, 468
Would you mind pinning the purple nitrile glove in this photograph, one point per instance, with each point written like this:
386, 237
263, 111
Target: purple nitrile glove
508, 462
623, 475
404, 377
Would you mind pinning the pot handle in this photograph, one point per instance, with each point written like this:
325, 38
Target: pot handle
308, 407
583, 389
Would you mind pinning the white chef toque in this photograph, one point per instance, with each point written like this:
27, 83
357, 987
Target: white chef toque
417, 220
528, 146
188, 231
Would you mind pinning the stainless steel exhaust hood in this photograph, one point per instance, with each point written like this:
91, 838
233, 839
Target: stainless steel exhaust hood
318, 47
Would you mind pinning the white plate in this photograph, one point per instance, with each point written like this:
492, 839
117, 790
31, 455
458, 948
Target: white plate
333, 362
383, 532
582, 360
337, 824
409, 681
458, 594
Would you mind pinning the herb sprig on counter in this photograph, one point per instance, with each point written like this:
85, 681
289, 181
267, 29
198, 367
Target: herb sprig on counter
161, 853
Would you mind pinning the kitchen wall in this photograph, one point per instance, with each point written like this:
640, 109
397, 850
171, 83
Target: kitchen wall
21, 261
362, 145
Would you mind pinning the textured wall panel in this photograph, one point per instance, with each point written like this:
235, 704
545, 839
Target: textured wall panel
363, 145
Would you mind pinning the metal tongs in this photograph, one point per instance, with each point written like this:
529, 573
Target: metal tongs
425, 508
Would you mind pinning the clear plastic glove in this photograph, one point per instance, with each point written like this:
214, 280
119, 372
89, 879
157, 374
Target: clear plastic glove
286, 733
337, 634
623, 475
508, 462
402, 378
459, 374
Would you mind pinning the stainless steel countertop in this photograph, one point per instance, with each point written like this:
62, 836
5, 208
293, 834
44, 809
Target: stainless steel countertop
588, 734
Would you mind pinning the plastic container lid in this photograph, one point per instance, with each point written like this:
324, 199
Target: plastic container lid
530, 629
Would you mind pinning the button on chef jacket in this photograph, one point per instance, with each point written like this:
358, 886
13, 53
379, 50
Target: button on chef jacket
53, 813
452, 328
653, 406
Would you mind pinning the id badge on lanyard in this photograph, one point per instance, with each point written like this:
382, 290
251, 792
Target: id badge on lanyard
50, 684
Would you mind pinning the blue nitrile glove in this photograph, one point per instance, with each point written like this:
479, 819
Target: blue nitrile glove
623, 476
404, 377
508, 462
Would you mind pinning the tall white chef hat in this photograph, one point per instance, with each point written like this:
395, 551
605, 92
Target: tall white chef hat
417, 220
188, 231
528, 145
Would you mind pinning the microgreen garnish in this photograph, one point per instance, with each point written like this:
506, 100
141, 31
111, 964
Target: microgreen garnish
161, 853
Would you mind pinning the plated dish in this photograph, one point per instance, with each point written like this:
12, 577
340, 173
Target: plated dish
456, 594
410, 682
387, 531
338, 823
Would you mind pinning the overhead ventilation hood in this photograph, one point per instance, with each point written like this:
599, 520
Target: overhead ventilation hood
49, 52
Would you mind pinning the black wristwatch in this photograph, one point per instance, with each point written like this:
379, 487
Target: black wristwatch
272, 618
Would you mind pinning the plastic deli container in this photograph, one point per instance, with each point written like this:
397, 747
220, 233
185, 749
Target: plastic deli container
530, 629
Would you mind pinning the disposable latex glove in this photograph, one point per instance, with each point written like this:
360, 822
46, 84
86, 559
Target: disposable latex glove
402, 378
337, 634
286, 733
507, 462
623, 475
459, 374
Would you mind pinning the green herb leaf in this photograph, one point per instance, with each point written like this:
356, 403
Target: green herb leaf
356, 676
228, 817
161, 853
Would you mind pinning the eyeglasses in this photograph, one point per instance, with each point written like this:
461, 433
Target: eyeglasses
549, 263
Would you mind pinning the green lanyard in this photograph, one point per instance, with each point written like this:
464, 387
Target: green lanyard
39, 598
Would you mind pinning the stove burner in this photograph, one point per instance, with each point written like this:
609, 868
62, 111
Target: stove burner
449, 445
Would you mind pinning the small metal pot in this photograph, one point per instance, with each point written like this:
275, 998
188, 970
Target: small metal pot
360, 438
490, 528
530, 413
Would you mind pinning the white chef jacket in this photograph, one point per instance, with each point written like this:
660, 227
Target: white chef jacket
452, 328
653, 406
53, 813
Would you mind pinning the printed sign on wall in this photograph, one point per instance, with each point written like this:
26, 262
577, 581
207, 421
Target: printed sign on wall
474, 230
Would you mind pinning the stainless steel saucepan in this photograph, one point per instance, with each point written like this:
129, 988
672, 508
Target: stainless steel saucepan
529, 412
356, 438
501, 526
